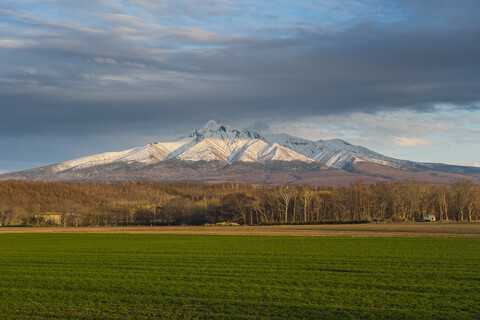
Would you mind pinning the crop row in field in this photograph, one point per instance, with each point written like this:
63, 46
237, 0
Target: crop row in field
99, 276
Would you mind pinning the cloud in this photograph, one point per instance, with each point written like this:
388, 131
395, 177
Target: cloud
412, 142
260, 126
192, 9
15, 44
380, 64
376, 129
476, 164
106, 60
370, 71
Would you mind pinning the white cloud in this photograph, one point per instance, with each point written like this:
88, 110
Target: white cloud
412, 142
135, 65
119, 78
476, 164
441, 136
30, 70
15, 44
106, 60
381, 129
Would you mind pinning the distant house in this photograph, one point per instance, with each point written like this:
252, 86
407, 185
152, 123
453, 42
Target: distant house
429, 218
50, 218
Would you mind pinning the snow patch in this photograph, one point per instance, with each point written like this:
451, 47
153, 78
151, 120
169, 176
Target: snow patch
90, 161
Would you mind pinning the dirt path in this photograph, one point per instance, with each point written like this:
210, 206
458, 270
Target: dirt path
436, 229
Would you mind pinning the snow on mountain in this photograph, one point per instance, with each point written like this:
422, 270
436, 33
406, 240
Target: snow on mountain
214, 141
261, 151
207, 149
90, 161
221, 131
217, 141
147, 154
335, 153
220, 142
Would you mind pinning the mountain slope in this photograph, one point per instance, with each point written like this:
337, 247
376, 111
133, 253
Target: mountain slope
340, 154
213, 142
335, 153
218, 151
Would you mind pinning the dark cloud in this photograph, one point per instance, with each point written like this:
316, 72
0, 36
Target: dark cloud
364, 69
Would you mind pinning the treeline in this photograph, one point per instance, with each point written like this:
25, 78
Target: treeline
155, 203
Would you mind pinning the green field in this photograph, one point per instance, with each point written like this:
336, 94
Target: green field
118, 276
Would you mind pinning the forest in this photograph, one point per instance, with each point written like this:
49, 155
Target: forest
29, 203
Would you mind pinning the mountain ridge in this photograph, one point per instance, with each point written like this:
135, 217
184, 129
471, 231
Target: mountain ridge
220, 143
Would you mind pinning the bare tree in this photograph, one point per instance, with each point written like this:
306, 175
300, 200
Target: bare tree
307, 195
3, 214
286, 193
443, 205
463, 191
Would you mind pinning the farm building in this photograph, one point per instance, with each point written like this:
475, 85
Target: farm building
429, 218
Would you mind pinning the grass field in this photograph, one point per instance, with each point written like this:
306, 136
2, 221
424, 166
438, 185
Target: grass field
415, 229
121, 276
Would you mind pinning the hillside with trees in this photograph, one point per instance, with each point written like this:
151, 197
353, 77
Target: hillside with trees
185, 203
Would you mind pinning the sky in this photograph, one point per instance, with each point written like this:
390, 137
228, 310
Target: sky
82, 77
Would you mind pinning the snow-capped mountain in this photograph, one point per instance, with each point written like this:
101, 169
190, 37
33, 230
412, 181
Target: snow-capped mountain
334, 153
214, 141
218, 151
340, 154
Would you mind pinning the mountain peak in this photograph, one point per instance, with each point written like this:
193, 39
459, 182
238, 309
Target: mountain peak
219, 142
218, 130
213, 126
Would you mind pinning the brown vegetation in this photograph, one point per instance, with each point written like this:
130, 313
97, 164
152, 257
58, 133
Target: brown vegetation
183, 203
